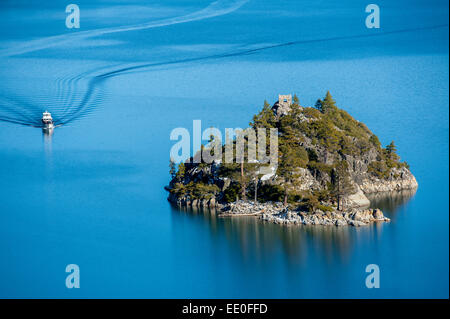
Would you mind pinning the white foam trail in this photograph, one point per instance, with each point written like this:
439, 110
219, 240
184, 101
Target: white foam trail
217, 8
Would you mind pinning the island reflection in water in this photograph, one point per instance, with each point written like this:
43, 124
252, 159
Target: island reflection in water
259, 241
391, 202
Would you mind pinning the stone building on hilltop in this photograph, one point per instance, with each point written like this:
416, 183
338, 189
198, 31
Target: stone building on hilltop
283, 105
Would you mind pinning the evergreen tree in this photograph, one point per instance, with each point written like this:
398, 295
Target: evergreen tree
256, 189
375, 141
265, 118
391, 148
391, 154
341, 182
328, 103
253, 172
172, 168
291, 159
318, 105
243, 183
236, 171
253, 167
181, 171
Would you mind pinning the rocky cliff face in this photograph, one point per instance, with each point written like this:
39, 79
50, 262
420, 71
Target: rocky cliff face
398, 180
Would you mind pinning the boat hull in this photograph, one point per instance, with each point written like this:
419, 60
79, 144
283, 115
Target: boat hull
48, 126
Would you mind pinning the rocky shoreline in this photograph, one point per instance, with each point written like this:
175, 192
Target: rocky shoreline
337, 218
355, 214
277, 213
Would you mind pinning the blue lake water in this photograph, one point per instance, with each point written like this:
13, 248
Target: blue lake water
92, 193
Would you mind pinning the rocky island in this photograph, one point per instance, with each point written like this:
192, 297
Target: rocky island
327, 162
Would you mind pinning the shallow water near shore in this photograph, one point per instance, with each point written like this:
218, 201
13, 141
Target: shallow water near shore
92, 192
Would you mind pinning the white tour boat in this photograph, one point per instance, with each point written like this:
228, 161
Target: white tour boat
47, 120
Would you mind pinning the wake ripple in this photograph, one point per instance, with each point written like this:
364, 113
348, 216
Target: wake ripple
71, 106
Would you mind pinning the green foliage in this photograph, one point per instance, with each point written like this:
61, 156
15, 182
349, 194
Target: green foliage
292, 157
336, 130
198, 190
265, 118
322, 195
308, 203
391, 148
319, 166
375, 141
325, 208
273, 193
326, 127
403, 164
328, 104
181, 172
378, 169
387, 160
311, 201
204, 191
318, 105
311, 113
347, 146
390, 155
312, 155
179, 189
172, 168
232, 192
363, 146
341, 183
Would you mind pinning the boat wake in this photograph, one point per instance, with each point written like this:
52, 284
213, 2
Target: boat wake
77, 96
66, 106
69, 103
216, 8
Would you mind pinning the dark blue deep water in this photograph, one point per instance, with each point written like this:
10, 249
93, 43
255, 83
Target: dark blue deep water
92, 193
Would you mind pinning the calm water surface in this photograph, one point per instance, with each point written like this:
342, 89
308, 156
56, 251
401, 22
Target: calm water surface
92, 193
